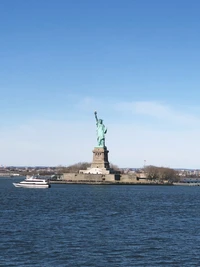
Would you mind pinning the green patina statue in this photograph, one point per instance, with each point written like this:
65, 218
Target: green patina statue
101, 131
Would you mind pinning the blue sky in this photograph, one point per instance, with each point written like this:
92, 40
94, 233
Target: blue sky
136, 62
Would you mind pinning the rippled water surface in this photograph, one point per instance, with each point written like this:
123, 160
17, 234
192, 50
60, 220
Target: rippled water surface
88, 225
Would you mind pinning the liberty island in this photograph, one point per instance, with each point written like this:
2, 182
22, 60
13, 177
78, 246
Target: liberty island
100, 171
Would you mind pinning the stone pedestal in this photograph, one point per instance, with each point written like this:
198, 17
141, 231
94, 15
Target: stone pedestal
100, 158
100, 163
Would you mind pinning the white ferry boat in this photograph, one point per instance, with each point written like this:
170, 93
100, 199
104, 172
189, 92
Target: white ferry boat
33, 182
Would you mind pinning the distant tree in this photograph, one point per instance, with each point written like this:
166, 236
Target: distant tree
161, 173
151, 172
75, 167
167, 174
115, 168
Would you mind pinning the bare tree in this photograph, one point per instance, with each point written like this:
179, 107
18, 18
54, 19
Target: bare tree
75, 167
161, 174
115, 168
151, 172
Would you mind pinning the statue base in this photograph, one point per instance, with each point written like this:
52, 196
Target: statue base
100, 163
99, 172
100, 158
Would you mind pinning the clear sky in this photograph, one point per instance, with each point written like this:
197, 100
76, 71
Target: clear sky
137, 62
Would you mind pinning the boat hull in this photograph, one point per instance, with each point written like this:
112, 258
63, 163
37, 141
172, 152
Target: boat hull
31, 185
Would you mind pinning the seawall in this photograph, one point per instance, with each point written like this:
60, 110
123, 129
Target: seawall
118, 179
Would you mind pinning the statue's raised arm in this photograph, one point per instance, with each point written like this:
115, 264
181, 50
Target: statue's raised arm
95, 114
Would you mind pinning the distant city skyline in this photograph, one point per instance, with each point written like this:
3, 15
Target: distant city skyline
136, 62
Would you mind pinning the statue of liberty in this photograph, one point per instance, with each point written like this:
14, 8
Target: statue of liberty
101, 131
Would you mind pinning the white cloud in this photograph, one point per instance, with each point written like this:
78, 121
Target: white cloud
160, 111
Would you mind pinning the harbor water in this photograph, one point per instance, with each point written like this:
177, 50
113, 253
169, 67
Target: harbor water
99, 226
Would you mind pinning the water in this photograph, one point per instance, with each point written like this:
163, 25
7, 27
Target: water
108, 226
